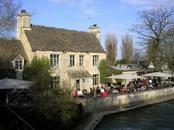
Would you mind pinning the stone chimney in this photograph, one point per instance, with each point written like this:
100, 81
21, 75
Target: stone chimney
95, 30
23, 22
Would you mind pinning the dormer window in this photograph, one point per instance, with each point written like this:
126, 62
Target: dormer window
19, 63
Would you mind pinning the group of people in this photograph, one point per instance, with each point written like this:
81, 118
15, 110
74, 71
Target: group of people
118, 88
100, 91
137, 85
79, 93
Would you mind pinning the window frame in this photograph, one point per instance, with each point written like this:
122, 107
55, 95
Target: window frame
55, 81
95, 79
95, 60
19, 64
71, 60
54, 60
81, 60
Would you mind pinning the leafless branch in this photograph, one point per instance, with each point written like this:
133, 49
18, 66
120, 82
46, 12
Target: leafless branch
8, 12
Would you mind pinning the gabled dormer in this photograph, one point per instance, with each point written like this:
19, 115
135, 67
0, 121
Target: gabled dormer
18, 63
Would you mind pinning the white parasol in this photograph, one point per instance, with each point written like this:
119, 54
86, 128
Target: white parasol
125, 76
157, 74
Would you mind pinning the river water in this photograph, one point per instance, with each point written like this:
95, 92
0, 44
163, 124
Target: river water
156, 117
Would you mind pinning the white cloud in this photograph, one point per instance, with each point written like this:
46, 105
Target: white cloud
139, 4
89, 12
62, 1
87, 7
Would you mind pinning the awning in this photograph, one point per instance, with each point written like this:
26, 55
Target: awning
78, 74
14, 84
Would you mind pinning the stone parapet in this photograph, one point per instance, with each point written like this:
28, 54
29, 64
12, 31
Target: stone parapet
115, 101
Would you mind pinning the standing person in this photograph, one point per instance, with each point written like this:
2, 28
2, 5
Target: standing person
75, 94
150, 83
91, 92
98, 90
111, 90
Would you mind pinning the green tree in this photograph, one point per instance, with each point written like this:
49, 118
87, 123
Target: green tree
111, 49
55, 105
106, 71
121, 61
36, 67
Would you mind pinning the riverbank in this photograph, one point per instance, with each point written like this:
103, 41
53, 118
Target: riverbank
100, 107
154, 117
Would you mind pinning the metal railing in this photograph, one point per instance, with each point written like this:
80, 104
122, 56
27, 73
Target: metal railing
18, 122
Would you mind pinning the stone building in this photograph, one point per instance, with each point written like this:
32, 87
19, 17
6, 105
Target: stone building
74, 55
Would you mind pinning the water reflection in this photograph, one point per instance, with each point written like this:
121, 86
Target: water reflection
157, 117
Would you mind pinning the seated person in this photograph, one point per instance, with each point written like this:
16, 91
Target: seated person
115, 91
79, 93
84, 91
103, 92
150, 84
125, 89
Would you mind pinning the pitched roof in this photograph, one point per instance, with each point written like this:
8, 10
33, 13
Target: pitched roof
9, 49
57, 39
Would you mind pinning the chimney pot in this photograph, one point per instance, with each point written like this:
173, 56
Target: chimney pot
23, 11
95, 30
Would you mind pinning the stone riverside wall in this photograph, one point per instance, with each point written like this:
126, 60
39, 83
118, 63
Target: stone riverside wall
100, 104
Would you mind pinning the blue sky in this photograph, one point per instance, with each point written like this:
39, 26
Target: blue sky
113, 16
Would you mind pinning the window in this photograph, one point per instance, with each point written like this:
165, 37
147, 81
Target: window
54, 82
95, 60
81, 57
54, 60
72, 60
18, 64
95, 78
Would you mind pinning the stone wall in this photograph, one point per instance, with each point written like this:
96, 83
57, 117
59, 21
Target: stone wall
63, 66
126, 100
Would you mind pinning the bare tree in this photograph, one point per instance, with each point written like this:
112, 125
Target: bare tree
8, 12
154, 24
127, 48
111, 49
168, 46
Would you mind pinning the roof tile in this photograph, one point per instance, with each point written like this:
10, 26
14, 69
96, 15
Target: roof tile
57, 39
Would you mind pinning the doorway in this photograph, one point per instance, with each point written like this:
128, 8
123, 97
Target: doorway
78, 83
